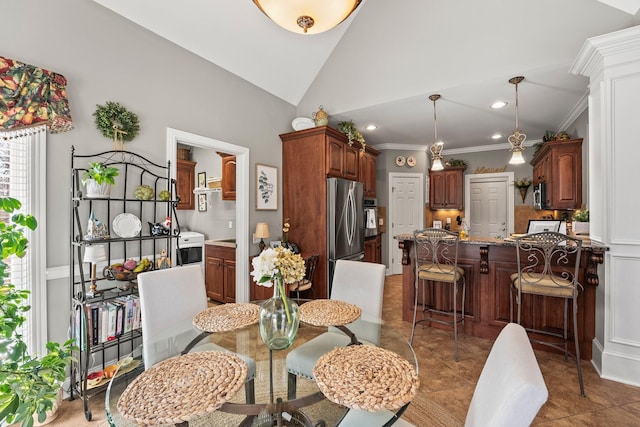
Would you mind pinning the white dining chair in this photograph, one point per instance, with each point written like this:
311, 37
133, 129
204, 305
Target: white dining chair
510, 390
361, 284
169, 300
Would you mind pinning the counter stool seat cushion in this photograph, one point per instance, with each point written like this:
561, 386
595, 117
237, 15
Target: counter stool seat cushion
439, 272
544, 284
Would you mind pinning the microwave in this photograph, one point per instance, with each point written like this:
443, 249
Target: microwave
540, 196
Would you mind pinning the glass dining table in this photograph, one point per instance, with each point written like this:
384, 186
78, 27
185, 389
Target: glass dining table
310, 407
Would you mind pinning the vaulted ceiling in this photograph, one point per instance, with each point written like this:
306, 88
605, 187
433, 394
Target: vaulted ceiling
381, 64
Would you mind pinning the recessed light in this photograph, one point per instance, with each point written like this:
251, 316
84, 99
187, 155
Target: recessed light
498, 104
371, 127
496, 136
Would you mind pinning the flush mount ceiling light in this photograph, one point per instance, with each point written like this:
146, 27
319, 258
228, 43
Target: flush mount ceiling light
371, 127
436, 148
499, 104
496, 136
517, 138
307, 16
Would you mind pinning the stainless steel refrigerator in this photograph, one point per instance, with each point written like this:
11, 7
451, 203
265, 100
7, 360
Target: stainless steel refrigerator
345, 223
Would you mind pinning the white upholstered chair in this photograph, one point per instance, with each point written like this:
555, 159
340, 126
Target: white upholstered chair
359, 283
510, 390
169, 299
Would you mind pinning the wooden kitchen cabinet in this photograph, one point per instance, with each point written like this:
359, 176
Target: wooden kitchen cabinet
185, 183
220, 273
559, 165
308, 157
367, 172
341, 159
373, 249
446, 188
228, 176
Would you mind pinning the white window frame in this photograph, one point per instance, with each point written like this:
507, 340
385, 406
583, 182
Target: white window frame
36, 206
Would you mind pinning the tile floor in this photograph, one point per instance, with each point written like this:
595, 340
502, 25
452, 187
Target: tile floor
451, 384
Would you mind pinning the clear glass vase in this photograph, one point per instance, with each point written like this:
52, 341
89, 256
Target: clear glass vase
279, 319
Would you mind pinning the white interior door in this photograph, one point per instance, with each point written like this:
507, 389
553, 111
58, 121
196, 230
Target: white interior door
406, 212
489, 204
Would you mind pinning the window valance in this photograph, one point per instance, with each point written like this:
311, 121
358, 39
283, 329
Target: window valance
31, 95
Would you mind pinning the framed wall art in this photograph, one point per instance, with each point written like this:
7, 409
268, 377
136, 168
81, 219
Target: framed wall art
266, 188
202, 202
202, 179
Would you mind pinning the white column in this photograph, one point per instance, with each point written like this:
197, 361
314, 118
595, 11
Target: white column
612, 63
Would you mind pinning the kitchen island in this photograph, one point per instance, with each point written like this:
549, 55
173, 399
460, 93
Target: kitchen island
488, 265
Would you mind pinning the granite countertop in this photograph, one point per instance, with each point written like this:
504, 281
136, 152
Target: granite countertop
586, 242
228, 243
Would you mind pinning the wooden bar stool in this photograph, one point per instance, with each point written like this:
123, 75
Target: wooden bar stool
436, 260
548, 265
306, 283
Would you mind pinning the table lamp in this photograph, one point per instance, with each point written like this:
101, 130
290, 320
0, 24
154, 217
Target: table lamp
262, 232
94, 254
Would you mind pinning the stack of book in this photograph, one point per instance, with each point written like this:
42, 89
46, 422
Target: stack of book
108, 320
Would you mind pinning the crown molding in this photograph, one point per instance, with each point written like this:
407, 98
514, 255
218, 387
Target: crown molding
579, 108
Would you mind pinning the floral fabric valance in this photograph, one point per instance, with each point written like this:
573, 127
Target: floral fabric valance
30, 95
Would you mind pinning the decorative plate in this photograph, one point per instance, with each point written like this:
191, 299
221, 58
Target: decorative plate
301, 123
411, 161
127, 225
400, 160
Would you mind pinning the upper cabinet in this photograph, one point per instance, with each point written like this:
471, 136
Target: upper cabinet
185, 182
446, 188
228, 176
341, 158
559, 165
367, 171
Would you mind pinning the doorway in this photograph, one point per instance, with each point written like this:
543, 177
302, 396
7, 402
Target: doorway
489, 204
406, 212
175, 136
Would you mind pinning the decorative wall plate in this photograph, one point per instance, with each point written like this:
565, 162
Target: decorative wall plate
127, 225
301, 123
411, 161
400, 160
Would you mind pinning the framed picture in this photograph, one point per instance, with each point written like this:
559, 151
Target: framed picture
540, 225
437, 224
202, 202
266, 188
202, 180
275, 243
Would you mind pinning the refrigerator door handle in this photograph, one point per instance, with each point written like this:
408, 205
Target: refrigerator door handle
350, 217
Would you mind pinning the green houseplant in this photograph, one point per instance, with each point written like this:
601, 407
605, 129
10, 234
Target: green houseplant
99, 178
581, 222
29, 385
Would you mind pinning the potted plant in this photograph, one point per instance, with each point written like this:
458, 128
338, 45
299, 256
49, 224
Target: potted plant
30, 386
98, 179
581, 222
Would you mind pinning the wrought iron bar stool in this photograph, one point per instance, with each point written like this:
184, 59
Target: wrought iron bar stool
436, 260
548, 265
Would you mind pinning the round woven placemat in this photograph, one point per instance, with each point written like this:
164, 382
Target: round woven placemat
183, 387
366, 378
226, 317
328, 312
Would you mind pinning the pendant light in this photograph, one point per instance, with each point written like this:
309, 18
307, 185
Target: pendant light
307, 16
517, 138
436, 148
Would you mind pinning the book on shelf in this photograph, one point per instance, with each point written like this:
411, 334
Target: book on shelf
106, 321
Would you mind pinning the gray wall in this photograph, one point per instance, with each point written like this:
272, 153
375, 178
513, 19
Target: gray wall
107, 58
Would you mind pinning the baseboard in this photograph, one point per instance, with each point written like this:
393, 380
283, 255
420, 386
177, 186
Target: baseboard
596, 355
620, 367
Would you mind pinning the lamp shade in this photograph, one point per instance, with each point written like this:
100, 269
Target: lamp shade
436, 165
516, 158
94, 254
307, 16
262, 230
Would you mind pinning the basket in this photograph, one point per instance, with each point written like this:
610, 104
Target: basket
214, 182
184, 154
123, 276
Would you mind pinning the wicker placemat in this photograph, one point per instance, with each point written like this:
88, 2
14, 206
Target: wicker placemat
226, 317
328, 312
178, 389
366, 378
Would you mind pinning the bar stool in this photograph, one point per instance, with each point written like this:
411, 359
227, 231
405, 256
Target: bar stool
436, 260
548, 265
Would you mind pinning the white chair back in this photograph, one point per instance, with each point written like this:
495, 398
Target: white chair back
510, 390
362, 284
169, 299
